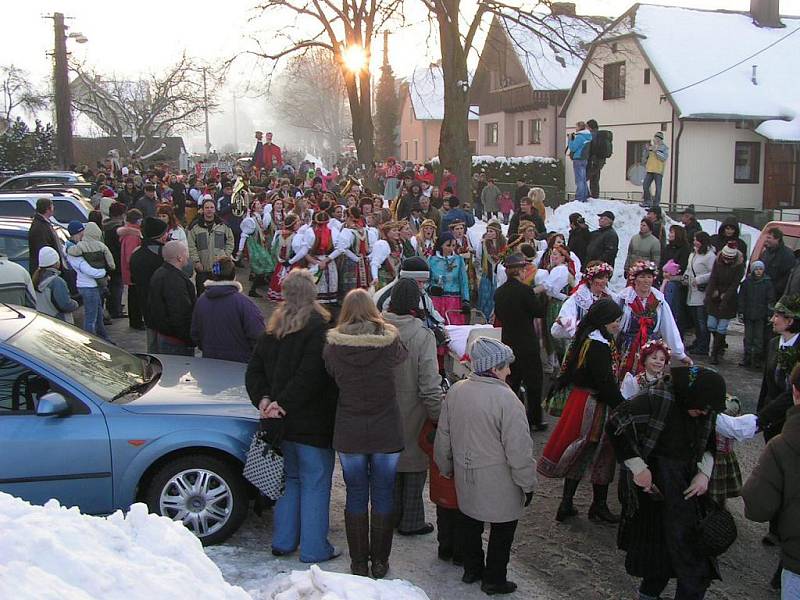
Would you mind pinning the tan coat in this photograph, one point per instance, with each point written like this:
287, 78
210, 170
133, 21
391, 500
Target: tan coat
418, 391
698, 271
484, 440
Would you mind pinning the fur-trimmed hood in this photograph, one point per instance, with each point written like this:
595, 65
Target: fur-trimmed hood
362, 346
217, 289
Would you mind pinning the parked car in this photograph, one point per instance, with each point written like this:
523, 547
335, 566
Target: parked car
67, 207
26, 180
80, 189
93, 426
14, 238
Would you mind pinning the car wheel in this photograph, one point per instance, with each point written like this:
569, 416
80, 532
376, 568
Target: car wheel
208, 495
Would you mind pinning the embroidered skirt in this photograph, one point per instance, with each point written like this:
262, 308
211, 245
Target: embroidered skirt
274, 293
354, 275
327, 283
261, 260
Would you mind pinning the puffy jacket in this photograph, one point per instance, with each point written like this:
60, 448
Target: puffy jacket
579, 145
206, 244
603, 245
723, 285
170, 302
130, 238
755, 296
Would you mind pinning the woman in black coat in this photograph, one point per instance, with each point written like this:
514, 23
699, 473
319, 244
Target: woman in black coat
677, 250
287, 381
665, 438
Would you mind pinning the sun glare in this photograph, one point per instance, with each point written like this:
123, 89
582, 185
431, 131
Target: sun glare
355, 58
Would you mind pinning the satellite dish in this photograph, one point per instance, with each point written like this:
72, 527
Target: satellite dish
637, 173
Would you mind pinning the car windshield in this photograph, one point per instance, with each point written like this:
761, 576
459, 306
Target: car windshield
103, 368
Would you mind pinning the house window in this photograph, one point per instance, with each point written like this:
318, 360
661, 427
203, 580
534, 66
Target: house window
491, 134
614, 80
534, 131
520, 133
583, 86
416, 149
647, 76
747, 162
636, 155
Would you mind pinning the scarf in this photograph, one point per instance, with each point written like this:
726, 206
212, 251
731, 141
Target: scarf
646, 316
323, 241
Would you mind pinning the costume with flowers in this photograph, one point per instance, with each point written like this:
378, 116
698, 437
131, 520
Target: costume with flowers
632, 384
385, 261
579, 302
324, 249
465, 250
290, 249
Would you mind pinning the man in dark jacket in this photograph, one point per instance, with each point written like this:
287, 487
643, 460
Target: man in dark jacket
729, 231
42, 233
144, 262
603, 243
116, 219
778, 260
579, 236
527, 213
596, 160
171, 302
516, 306
520, 192
147, 203
456, 213
690, 223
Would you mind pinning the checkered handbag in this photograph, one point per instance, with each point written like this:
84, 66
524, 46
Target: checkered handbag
264, 465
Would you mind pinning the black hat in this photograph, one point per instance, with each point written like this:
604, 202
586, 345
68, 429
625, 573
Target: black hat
602, 312
656, 210
404, 298
153, 228
698, 388
607, 213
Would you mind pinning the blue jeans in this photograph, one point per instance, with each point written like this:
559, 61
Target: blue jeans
649, 178
93, 311
301, 514
719, 326
700, 322
790, 585
167, 346
581, 186
673, 294
369, 477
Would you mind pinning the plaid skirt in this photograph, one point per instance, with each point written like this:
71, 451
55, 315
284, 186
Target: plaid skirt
726, 479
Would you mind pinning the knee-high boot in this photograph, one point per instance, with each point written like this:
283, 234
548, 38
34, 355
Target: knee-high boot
566, 509
599, 510
381, 532
357, 528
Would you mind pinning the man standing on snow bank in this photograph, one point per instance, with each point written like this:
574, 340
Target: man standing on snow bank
578, 150
656, 158
603, 243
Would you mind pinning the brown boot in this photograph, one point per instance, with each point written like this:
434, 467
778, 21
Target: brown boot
381, 532
357, 528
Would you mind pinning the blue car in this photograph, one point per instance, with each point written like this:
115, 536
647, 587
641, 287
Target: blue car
96, 427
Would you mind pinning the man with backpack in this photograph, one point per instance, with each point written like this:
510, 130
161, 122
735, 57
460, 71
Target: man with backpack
599, 150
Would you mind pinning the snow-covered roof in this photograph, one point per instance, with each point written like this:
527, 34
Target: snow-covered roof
689, 46
778, 130
550, 65
426, 88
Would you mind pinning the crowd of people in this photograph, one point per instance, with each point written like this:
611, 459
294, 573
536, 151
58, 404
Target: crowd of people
350, 360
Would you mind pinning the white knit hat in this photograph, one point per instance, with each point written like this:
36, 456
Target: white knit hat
48, 256
486, 353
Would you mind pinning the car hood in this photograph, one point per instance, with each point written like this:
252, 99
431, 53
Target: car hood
196, 386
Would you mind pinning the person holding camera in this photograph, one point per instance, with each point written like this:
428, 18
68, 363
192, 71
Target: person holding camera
655, 159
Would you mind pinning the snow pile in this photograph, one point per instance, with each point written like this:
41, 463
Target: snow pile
51, 552
780, 131
514, 160
316, 584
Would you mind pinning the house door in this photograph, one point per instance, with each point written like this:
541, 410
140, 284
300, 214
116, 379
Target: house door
781, 174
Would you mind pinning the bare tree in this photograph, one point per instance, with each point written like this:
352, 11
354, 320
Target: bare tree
336, 26
311, 95
19, 92
141, 112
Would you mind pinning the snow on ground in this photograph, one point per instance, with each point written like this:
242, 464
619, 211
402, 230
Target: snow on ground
51, 552
316, 584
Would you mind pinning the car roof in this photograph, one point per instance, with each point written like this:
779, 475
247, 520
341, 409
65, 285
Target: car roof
48, 174
13, 319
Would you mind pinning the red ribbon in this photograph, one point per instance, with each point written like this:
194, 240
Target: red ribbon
645, 323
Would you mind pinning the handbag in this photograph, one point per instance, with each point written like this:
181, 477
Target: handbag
557, 399
264, 465
716, 531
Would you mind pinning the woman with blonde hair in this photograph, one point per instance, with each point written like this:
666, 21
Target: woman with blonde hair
361, 355
425, 240
537, 197
296, 398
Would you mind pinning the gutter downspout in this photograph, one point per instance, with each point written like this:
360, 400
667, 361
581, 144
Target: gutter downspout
676, 146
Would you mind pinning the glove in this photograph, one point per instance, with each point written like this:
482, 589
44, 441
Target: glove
466, 308
528, 498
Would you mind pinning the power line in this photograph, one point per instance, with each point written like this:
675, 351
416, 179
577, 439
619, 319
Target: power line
779, 40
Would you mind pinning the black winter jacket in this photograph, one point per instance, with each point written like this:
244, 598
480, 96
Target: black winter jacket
40, 234
578, 243
291, 372
755, 296
680, 254
778, 264
144, 262
516, 305
171, 302
718, 240
111, 239
603, 245
776, 394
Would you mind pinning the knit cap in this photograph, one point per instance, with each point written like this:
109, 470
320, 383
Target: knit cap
730, 251
48, 256
486, 353
405, 297
756, 264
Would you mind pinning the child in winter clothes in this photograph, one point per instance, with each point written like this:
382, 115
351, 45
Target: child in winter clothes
94, 252
756, 295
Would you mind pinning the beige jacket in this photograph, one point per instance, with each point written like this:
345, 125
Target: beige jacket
483, 440
418, 391
698, 271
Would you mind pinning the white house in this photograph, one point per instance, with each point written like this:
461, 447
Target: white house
723, 88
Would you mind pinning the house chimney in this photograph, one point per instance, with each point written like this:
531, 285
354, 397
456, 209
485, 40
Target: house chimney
564, 9
753, 78
766, 13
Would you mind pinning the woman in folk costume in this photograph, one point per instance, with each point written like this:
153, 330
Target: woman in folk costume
557, 239
255, 227
382, 215
391, 185
560, 281
356, 242
406, 237
279, 212
466, 251
290, 248
592, 288
664, 436
322, 259
448, 285
425, 240
490, 254
646, 316
653, 362
386, 256
579, 438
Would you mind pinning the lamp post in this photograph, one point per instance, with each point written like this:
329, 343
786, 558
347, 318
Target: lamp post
61, 91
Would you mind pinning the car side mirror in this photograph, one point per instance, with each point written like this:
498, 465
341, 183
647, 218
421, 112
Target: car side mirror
52, 404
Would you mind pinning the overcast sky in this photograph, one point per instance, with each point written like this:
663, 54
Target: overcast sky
128, 38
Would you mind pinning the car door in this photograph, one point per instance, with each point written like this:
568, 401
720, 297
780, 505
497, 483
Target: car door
63, 457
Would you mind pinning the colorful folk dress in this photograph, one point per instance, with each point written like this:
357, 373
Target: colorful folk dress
465, 250
283, 251
449, 287
490, 258
262, 261
385, 262
327, 278
356, 246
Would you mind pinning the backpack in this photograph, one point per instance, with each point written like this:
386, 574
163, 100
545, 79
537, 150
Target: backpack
603, 144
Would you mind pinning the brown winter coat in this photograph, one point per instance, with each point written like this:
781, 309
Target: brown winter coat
773, 489
362, 361
723, 285
484, 441
419, 394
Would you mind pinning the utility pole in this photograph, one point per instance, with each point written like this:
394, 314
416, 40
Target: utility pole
63, 97
205, 110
